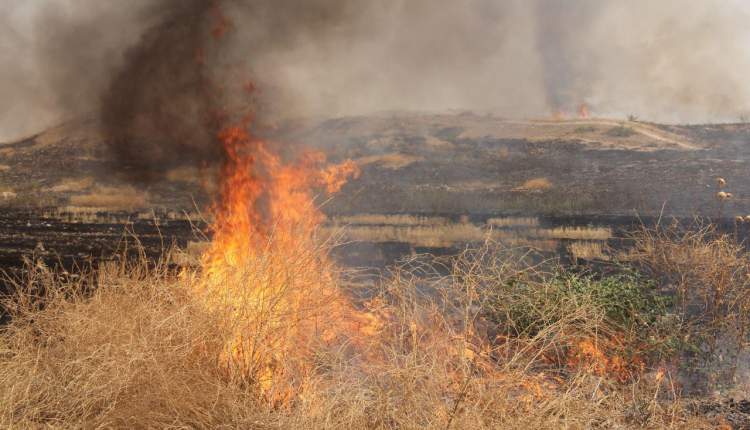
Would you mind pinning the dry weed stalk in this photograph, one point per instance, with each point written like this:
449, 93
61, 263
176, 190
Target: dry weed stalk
708, 272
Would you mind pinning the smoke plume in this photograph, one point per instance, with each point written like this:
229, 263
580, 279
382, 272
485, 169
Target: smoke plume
158, 79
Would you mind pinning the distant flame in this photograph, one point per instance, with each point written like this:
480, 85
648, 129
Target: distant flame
583, 111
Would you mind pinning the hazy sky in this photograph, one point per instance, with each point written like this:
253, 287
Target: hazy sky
664, 60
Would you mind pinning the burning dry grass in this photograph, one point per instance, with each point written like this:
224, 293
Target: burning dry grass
496, 343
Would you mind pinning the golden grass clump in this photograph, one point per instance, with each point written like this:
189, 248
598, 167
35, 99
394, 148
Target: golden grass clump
536, 184
378, 219
117, 198
515, 222
136, 352
576, 233
69, 185
588, 250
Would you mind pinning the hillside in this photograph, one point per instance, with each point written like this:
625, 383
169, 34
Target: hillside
431, 163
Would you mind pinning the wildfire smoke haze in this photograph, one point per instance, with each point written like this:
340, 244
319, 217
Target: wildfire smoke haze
659, 61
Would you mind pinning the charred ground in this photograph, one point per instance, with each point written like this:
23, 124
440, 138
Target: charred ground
61, 199
432, 163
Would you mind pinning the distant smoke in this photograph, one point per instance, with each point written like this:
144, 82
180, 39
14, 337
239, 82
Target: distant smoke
672, 60
566, 68
191, 74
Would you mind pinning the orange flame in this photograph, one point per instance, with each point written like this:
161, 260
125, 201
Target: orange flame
222, 24
265, 266
583, 111
600, 358
264, 272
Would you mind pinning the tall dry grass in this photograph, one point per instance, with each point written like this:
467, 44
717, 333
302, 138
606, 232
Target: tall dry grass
378, 219
132, 346
708, 274
447, 235
134, 352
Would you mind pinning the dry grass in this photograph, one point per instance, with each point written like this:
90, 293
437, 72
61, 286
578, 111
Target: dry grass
588, 251
78, 214
709, 275
137, 353
8, 194
112, 198
514, 222
189, 175
536, 184
72, 185
393, 161
427, 236
377, 219
422, 233
142, 351
576, 233
7, 152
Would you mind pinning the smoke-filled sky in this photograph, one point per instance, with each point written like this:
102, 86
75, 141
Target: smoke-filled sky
662, 60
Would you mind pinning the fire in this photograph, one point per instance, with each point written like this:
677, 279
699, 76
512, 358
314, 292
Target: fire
265, 267
583, 111
221, 22
265, 271
599, 356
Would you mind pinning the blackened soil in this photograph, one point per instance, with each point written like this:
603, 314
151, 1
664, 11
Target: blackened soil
24, 234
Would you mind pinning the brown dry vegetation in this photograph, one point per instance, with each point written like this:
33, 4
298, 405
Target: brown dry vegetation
579, 233
513, 222
588, 250
393, 161
536, 184
112, 198
499, 342
709, 274
377, 219
72, 185
430, 232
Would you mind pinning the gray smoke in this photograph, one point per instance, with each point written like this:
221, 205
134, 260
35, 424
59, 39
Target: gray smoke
672, 60
189, 76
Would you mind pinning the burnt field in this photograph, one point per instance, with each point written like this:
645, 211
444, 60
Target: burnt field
25, 234
429, 164
61, 203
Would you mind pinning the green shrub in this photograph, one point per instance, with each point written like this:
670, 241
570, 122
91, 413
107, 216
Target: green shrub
626, 301
620, 131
